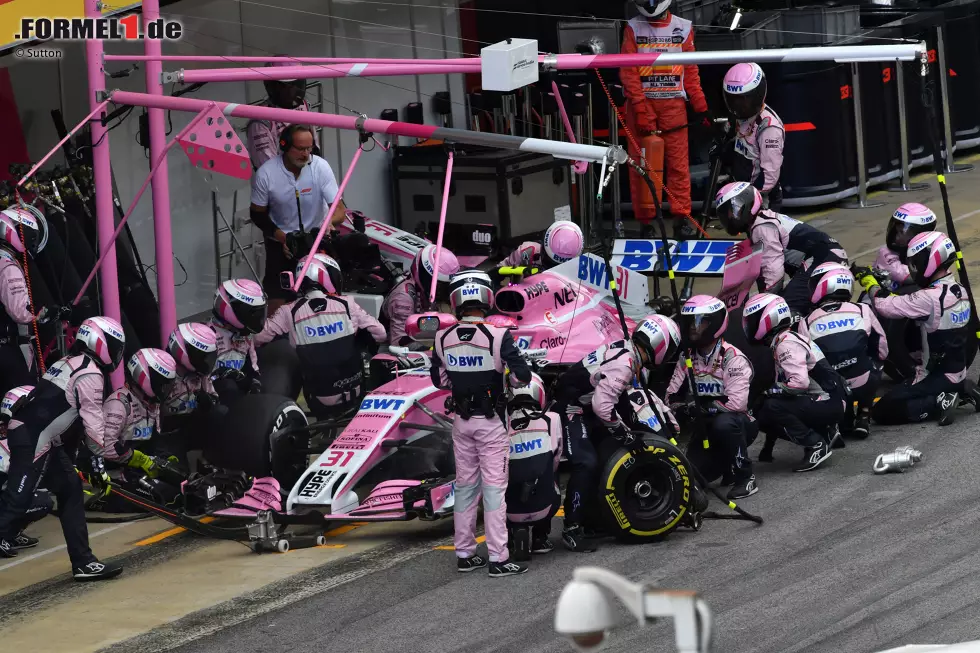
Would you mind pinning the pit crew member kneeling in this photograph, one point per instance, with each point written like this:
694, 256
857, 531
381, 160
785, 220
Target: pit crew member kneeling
238, 314
323, 326
132, 414
469, 358
787, 244
42, 503
533, 497
941, 306
592, 396
70, 390
562, 242
723, 375
908, 221
851, 338
807, 401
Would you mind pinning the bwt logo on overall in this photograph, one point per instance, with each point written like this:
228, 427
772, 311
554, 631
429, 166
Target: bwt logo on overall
142, 432
525, 447
709, 388
464, 361
834, 325
961, 317
382, 404
105, 29
325, 329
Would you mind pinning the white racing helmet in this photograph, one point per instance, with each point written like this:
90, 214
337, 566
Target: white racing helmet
470, 289
13, 400
101, 338
323, 274
765, 316
652, 8
744, 90
532, 395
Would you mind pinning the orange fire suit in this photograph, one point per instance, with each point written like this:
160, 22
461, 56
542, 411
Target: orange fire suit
656, 98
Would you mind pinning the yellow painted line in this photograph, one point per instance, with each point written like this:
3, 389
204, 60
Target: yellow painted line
811, 216
560, 513
346, 528
450, 547
159, 537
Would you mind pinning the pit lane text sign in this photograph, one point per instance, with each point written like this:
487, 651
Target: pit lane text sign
24, 21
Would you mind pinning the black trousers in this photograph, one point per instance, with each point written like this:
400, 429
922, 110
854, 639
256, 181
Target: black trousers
908, 403
584, 462
801, 419
56, 471
13, 369
863, 396
729, 436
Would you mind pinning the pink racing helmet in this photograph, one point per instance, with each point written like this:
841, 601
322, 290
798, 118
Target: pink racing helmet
703, 320
659, 338
13, 400
21, 231
424, 265
240, 303
532, 395
745, 90
831, 282
737, 204
908, 221
152, 372
562, 241
285, 93
929, 256
764, 316
102, 338
194, 346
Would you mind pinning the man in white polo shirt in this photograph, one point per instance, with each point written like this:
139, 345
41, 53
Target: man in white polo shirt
290, 197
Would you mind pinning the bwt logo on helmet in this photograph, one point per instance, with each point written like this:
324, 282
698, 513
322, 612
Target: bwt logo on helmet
734, 88
382, 404
105, 29
464, 361
470, 291
325, 329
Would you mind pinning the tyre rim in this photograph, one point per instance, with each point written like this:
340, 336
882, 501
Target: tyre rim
649, 493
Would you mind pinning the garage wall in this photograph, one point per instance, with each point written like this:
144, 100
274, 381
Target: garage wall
323, 28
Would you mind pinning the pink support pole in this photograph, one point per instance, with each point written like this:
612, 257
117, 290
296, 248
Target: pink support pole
160, 160
190, 58
442, 225
162, 235
109, 273
195, 76
581, 167
326, 221
57, 147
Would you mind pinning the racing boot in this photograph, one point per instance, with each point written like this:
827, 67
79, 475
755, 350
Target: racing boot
7, 549
684, 229
507, 568
743, 489
96, 570
540, 544
466, 565
574, 538
814, 455
520, 538
24, 541
946, 405
862, 425
971, 395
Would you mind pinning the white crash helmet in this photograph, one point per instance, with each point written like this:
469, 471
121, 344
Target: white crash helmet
11, 401
659, 338
744, 90
103, 340
424, 266
652, 8
153, 372
532, 395
323, 274
240, 304
908, 221
562, 242
930, 255
23, 230
470, 289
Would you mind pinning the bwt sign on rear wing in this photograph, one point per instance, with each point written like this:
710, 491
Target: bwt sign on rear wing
689, 257
590, 270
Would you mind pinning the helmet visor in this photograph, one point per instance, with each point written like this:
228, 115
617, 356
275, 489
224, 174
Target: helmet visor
252, 317
900, 233
698, 329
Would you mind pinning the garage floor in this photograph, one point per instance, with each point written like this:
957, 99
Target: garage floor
846, 561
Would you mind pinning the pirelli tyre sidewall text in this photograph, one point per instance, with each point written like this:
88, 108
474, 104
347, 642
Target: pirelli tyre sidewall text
645, 496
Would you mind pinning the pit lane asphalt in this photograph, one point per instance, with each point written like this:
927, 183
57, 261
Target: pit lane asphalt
846, 561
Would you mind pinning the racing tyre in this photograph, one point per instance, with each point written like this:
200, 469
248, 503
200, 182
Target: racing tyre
280, 370
253, 439
644, 497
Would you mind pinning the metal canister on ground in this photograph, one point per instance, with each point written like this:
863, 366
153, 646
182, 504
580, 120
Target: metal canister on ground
897, 461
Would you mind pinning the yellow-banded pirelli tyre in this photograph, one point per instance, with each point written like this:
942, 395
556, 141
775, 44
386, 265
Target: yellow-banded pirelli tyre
645, 496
